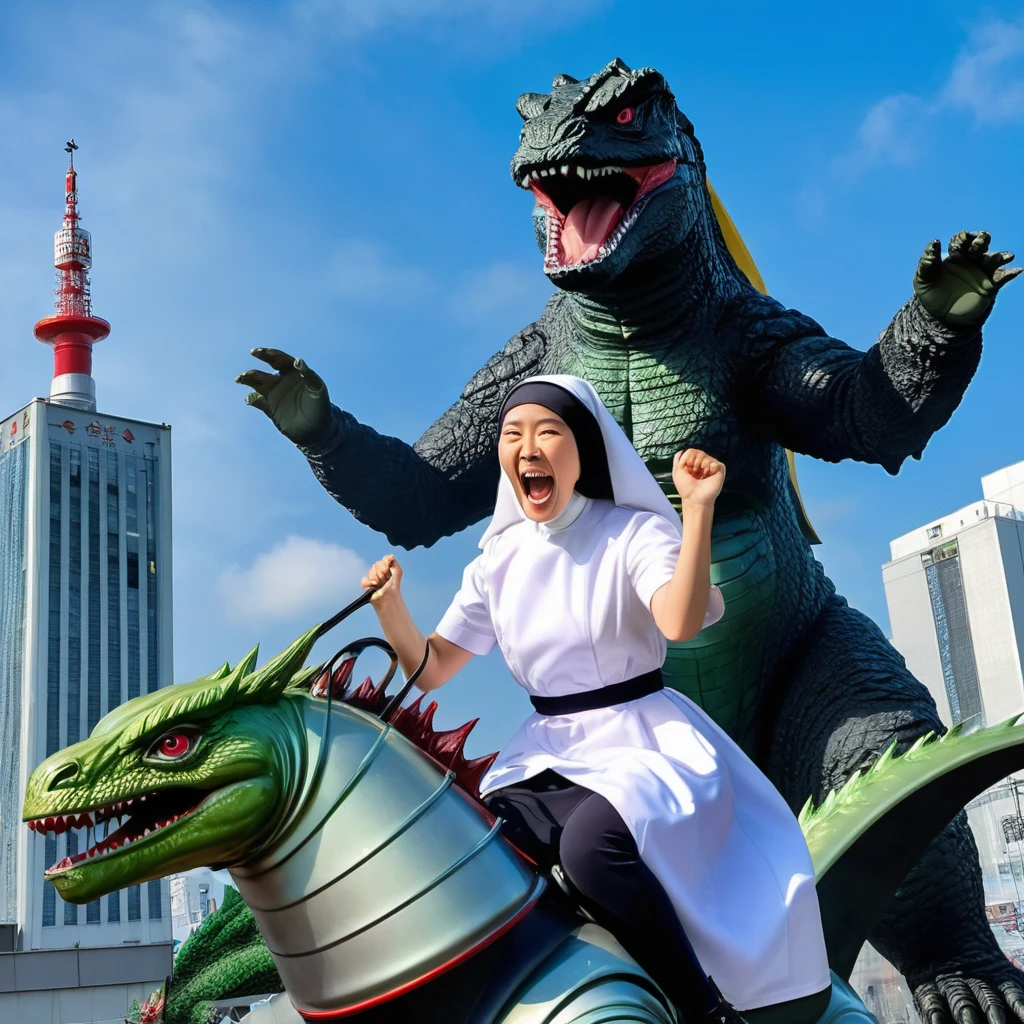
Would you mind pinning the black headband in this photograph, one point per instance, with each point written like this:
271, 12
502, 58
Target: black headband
595, 481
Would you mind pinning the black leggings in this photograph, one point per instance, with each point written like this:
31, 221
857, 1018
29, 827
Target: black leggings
554, 821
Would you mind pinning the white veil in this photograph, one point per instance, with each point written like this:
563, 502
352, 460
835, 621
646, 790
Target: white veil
632, 483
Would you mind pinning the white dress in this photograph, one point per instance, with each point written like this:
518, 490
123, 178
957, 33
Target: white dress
569, 609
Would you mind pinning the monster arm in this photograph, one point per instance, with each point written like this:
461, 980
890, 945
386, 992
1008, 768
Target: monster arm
416, 494
820, 397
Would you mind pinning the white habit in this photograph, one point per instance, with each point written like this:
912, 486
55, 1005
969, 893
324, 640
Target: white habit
568, 604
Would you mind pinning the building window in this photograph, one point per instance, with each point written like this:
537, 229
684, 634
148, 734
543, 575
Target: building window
53, 640
74, 630
934, 531
156, 910
92, 912
53, 636
49, 893
71, 909
134, 904
13, 504
132, 554
152, 661
114, 906
94, 683
113, 588
953, 631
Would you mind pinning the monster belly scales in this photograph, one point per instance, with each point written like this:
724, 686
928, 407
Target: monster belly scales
655, 395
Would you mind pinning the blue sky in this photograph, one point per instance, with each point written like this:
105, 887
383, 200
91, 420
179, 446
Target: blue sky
331, 177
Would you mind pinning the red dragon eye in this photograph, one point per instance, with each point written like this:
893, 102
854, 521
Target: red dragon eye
625, 115
176, 744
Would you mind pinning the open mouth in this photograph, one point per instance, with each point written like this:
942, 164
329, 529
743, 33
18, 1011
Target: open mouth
537, 485
590, 209
122, 823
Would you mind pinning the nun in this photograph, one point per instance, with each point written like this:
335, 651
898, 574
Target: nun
664, 829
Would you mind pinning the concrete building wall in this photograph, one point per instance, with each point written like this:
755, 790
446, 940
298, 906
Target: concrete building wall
983, 551
913, 629
989, 557
79, 986
1006, 485
15, 490
1011, 544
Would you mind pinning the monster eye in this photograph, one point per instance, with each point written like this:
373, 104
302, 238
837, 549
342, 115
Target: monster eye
172, 746
625, 115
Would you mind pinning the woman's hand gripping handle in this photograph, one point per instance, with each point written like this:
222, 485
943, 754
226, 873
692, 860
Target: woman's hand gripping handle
445, 658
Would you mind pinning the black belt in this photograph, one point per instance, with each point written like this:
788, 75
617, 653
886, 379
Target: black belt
602, 697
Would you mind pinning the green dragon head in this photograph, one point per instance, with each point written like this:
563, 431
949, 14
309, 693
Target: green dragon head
616, 171
183, 777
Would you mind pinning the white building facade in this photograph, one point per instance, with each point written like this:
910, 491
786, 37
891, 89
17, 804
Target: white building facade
85, 624
955, 591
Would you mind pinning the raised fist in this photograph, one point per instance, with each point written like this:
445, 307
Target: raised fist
697, 477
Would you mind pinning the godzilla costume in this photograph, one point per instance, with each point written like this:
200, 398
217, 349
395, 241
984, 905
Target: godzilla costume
652, 309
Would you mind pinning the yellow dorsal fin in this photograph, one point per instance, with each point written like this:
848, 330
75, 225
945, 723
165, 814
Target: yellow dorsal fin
741, 254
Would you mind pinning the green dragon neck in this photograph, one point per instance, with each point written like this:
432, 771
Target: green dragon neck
384, 873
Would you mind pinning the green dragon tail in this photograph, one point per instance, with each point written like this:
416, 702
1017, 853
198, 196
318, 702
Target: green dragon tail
225, 957
866, 836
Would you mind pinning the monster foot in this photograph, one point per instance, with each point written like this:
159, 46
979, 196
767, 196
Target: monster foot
991, 992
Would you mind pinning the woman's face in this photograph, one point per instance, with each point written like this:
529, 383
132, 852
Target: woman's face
538, 454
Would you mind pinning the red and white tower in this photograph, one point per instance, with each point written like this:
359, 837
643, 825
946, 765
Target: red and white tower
72, 330
85, 624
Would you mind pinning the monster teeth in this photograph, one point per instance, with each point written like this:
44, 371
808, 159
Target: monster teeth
566, 170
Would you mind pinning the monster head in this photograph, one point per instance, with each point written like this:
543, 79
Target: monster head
190, 775
616, 170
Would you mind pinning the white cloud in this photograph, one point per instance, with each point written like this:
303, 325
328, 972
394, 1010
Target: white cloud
891, 132
297, 576
988, 75
986, 80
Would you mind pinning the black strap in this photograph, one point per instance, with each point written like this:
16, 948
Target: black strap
602, 697
385, 715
